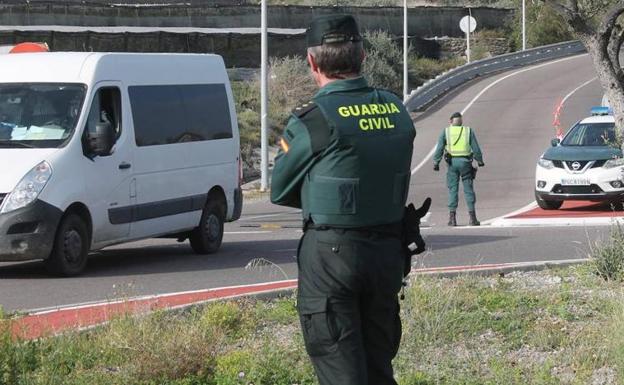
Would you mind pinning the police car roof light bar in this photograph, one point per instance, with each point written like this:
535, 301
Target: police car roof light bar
601, 111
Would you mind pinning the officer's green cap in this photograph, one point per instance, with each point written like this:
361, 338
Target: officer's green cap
332, 29
456, 115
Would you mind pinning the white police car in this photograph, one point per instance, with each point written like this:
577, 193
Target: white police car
585, 165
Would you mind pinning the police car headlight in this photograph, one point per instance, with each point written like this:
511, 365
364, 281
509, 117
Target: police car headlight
614, 163
28, 189
545, 163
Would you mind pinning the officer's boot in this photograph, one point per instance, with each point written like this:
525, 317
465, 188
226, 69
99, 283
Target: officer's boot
473, 219
452, 220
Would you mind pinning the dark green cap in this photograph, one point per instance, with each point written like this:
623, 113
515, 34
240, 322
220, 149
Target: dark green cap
332, 29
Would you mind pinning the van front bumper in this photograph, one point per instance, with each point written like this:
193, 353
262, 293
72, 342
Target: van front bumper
28, 233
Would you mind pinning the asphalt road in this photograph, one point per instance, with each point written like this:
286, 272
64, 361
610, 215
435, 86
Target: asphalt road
512, 114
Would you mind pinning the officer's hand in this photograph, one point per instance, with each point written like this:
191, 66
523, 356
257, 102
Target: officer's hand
481, 164
436, 167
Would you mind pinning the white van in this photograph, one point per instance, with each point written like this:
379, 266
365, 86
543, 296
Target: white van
98, 149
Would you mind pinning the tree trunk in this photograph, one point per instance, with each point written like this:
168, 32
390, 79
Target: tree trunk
608, 78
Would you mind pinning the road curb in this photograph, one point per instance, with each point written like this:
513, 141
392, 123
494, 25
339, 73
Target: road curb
52, 322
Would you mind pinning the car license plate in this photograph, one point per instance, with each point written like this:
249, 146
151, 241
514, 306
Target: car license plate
575, 182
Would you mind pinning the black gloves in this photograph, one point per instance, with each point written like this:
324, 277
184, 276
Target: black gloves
436, 167
481, 164
413, 242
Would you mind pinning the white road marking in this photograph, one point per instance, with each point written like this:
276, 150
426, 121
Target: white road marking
576, 89
246, 232
269, 215
528, 207
430, 154
558, 222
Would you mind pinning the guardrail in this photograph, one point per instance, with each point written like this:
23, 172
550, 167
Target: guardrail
431, 91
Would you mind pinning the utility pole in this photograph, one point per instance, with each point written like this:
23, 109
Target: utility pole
264, 96
468, 37
405, 52
523, 25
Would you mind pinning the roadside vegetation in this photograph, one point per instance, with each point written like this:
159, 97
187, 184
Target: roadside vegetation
552, 327
290, 85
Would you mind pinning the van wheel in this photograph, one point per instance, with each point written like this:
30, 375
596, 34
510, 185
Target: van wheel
207, 237
71, 247
547, 205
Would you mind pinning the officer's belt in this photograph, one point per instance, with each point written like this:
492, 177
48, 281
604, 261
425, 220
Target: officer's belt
388, 230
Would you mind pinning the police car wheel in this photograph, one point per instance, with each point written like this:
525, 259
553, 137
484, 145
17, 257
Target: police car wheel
207, 237
71, 247
548, 205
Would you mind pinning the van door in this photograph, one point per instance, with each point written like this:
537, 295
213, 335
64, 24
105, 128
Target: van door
109, 180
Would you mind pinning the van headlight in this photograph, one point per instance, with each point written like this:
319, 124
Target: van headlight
545, 163
614, 163
28, 189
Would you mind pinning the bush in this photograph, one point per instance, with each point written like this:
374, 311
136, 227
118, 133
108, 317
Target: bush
383, 66
609, 256
422, 69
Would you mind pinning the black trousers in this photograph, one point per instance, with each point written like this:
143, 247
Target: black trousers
348, 304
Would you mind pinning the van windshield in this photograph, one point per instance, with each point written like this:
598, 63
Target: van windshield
591, 134
39, 115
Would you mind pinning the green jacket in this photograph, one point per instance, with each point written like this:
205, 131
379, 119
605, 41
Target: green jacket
346, 156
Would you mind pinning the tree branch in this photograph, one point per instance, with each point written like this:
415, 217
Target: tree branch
610, 19
614, 49
572, 16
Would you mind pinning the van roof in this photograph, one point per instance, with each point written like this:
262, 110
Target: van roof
131, 68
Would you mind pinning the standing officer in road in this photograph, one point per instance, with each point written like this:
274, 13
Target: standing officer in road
458, 144
345, 161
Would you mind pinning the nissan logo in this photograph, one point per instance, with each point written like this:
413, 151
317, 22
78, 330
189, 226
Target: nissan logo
576, 166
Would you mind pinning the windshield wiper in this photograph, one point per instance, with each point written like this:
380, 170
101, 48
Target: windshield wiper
12, 143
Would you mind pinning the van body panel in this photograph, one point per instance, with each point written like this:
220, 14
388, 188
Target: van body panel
161, 189
16, 162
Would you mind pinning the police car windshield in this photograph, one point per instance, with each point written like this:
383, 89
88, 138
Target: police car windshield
39, 115
590, 134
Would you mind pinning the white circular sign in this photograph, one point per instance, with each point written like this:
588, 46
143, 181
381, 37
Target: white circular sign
463, 24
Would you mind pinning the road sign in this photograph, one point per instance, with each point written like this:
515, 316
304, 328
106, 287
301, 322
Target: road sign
463, 24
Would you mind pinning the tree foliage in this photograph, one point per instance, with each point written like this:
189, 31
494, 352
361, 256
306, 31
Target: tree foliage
599, 25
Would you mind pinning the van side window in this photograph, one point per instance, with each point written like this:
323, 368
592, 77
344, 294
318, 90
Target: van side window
106, 107
180, 113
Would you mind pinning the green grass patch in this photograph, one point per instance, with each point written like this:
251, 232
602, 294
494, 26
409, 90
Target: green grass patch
553, 327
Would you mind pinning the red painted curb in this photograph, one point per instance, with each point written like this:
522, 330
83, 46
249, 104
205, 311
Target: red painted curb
571, 209
47, 323
52, 322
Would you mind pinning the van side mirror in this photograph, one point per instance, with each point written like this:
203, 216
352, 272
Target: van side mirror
101, 140
555, 142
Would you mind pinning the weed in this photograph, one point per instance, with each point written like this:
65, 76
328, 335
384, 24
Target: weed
608, 255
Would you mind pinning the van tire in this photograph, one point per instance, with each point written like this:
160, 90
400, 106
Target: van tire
548, 205
71, 247
207, 237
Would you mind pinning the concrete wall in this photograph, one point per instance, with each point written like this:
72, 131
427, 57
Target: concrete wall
423, 21
238, 50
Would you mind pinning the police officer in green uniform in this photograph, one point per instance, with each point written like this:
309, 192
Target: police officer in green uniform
345, 161
458, 145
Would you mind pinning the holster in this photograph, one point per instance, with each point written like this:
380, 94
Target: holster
447, 157
413, 243
474, 172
